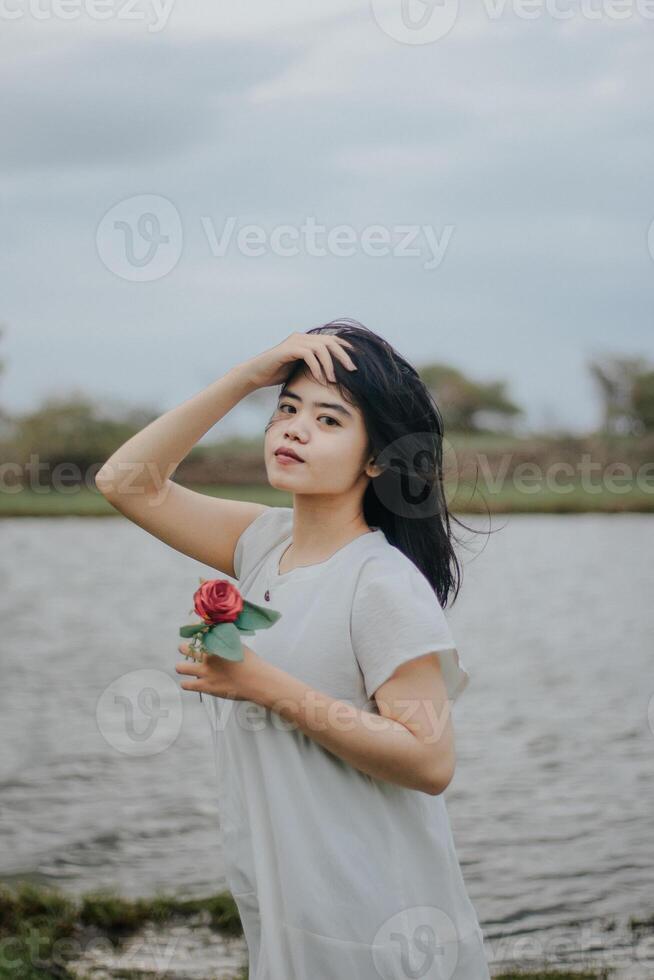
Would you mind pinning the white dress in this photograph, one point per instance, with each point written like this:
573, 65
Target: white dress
337, 874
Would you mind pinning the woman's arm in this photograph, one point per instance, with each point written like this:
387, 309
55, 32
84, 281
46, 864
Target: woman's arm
410, 742
147, 460
136, 478
416, 751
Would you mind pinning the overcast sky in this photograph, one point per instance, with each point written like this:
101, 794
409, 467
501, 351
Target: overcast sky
493, 171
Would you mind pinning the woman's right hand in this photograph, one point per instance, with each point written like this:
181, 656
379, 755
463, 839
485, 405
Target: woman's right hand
273, 366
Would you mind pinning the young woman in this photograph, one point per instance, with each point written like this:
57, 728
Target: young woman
333, 736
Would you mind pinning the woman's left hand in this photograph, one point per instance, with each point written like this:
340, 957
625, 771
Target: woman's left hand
238, 680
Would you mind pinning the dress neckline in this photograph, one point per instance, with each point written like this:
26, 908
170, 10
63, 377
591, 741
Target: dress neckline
303, 570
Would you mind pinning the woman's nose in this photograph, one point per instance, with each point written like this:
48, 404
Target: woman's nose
296, 433
295, 428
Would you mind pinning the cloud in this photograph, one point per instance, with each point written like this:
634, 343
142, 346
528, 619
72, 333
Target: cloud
533, 139
120, 103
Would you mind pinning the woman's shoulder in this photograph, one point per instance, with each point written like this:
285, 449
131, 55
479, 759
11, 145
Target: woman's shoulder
275, 518
272, 520
383, 558
385, 570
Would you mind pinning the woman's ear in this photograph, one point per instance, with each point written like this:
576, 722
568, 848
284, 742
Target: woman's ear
372, 469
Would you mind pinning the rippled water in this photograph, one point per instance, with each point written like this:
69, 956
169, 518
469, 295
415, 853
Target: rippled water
552, 804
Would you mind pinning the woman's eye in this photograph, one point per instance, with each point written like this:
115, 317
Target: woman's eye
286, 405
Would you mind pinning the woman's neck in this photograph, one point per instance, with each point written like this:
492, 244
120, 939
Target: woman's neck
320, 531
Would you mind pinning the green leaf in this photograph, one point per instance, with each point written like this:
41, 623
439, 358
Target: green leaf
255, 617
191, 629
224, 640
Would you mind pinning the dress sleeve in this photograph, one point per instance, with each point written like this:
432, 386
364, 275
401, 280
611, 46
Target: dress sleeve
396, 616
260, 537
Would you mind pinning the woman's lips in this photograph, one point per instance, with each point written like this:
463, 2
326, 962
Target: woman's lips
284, 458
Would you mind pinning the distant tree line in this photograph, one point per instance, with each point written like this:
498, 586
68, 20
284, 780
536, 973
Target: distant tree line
78, 429
626, 389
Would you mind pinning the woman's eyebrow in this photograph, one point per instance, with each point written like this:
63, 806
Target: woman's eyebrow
333, 405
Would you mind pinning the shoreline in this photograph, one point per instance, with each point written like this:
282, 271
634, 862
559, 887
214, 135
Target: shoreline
47, 933
84, 502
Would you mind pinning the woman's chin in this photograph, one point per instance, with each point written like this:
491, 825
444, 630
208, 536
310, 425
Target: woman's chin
279, 483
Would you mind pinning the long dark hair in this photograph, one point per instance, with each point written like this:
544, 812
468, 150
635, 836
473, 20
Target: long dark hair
405, 435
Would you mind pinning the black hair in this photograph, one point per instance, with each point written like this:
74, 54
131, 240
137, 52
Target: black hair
405, 435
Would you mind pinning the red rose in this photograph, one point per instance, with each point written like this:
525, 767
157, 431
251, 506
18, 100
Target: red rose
218, 601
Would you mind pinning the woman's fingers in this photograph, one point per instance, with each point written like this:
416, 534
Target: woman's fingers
343, 355
196, 658
313, 363
325, 359
324, 354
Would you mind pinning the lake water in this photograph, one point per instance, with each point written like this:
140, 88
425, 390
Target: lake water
552, 804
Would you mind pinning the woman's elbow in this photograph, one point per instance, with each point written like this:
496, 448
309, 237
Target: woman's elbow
441, 775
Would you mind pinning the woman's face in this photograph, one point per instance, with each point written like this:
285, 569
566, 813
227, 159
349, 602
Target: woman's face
330, 438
